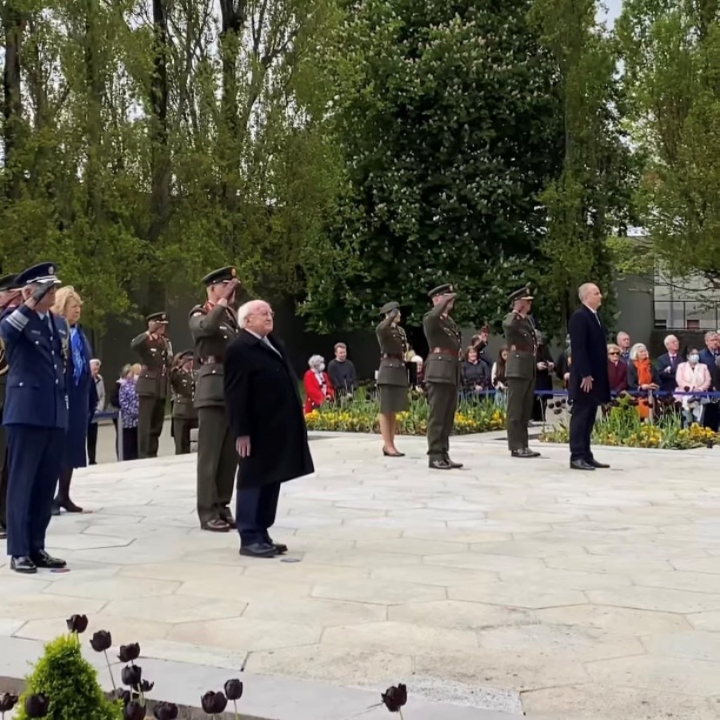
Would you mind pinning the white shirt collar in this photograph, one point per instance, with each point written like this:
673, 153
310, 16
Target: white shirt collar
259, 337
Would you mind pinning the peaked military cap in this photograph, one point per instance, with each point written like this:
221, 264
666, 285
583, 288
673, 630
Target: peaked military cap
221, 275
524, 293
43, 272
8, 282
160, 317
389, 307
442, 290
181, 357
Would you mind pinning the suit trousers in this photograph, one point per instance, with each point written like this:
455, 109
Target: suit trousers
519, 411
150, 425
582, 420
92, 436
3, 475
217, 462
181, 434
35, 457
442, 402
255, 512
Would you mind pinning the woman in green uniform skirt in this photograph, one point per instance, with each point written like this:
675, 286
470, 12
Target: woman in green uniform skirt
392, 379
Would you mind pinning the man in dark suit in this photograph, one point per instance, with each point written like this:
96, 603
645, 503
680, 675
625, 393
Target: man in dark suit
266, 417
589, 383
667, 364
710, 356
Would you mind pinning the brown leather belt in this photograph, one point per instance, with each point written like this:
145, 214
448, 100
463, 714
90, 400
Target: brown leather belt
445, 351
516, 348
210, 359
391, 356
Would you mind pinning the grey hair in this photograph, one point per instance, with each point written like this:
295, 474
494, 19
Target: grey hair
583, 290
710, 334
635, 349
246, 309
316, 361
668, 339
622, 333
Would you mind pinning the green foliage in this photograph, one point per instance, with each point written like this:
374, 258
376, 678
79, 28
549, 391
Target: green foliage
448, 125
71, 684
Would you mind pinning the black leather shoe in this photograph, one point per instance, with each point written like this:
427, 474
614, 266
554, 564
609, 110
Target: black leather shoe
23, 565
524, 453
280, 548
532, 453
390, 454
581, 465
69, 506
259, 550
596, 464
440, 465
227, 517
452, 463
43, 559
216, 525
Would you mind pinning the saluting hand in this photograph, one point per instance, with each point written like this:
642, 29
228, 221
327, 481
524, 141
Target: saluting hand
42, 290
229, 291
242, 445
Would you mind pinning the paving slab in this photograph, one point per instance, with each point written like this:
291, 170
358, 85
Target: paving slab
502, 586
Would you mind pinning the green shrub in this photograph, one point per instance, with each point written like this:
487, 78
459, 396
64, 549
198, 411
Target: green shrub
71, 683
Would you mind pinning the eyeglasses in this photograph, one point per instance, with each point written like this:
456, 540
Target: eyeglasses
264, 313
613, 352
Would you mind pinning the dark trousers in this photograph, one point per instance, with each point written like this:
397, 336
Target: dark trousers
255, 512
92, 437
539, 410
150, 425
582, 420
711, 416
181, 434
442, 403
519, 411
3, 475
217, 462
34, 460
130, 443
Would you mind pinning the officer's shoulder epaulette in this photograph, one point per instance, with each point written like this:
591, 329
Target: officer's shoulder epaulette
198, 310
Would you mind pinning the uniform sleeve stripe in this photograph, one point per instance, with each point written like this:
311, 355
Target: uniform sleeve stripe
18, 320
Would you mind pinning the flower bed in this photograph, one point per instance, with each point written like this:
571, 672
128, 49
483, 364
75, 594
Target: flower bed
623, 427
361, 415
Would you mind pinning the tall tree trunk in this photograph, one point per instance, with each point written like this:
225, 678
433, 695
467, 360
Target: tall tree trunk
13, 23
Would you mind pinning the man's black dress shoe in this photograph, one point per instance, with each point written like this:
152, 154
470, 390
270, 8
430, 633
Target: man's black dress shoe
23, 565
440, 465
259, 550
215, 525
227, 517
280, 548
452, 464
532, 453
581, 465
524, 453
43, 559
597, 464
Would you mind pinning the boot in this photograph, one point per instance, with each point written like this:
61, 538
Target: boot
62, 500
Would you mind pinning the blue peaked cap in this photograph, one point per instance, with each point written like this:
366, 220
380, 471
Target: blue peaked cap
38, 273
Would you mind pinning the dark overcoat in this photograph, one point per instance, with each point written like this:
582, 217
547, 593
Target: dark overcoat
82, 402
263, 402
589, 356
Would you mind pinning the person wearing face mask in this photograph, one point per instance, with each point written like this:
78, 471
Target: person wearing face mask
318, 386
692, 376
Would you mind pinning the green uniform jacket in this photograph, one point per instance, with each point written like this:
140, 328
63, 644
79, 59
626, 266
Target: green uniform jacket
522, 347
183, 386
156, 355
213, 328
442, 334
393, 342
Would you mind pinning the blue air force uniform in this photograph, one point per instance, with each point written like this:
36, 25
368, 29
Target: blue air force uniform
35, 417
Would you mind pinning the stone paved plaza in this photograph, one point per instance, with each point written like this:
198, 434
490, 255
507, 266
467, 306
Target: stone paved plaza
592, 595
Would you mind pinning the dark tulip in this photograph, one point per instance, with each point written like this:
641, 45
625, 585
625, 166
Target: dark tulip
395, 697
36, 706
551, 404
101, 641
7, 702
557, 411
131, 675
146, 686
213, 702
134, 711
77, 623
233, 689
165, 711
128, 653
125, 695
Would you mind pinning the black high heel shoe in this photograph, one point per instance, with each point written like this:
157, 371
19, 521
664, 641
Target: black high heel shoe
389, 454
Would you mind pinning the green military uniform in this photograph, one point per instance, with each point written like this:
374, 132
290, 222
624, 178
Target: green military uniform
213, 328
520, 371
184, 415
152, 386
392, 378
442, 377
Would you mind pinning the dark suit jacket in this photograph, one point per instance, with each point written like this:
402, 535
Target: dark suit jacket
263, 402
707, 358
667, 379
589, 356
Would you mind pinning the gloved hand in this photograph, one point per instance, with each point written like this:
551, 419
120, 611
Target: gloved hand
42, 290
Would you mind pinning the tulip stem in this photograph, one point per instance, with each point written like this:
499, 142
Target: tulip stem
401, 715
237, 717
112, 679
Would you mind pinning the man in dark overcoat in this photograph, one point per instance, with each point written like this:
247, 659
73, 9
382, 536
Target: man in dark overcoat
266, 418
589, 385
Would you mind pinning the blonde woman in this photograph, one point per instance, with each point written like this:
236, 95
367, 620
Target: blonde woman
82, 395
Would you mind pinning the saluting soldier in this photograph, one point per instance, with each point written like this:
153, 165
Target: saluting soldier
442, 375
155, 351
9, 298
35, 415
392, 379
184, 414
213, 327
520, 371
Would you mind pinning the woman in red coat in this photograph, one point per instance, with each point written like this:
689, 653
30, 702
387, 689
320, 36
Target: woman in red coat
617, 370
318, 388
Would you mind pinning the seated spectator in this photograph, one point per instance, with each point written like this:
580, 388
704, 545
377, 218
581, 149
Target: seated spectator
668, 363
342, 372
623, 340
642, 377
129, 403
692, 375
617, 370
543, 378
318, 386
475, 374
498, 377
